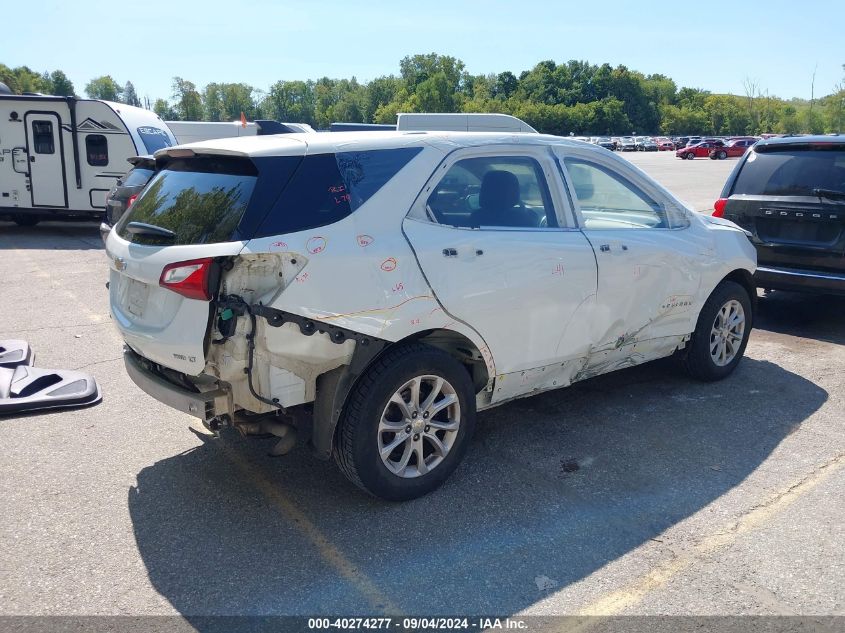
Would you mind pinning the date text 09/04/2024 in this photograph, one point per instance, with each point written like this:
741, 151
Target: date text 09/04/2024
412, 624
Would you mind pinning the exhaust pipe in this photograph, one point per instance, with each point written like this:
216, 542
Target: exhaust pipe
284, 431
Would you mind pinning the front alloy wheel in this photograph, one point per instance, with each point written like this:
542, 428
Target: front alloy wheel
721, 333
727, 333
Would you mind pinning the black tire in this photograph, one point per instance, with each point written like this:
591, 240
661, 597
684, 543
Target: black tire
26, 220
690, 155
698, 360
722, 155
356, 450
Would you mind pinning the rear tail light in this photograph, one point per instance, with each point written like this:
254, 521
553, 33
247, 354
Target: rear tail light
189, 279
131, 200
719, 207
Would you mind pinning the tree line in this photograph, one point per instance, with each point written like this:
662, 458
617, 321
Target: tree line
574, 97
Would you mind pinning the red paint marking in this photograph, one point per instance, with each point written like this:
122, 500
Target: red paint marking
316, 245
365, 240
279, 245
415, 321
399, 287
558, 270
302, 278
389, 265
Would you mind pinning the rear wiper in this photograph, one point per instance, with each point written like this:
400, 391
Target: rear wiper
150, 230
833, 194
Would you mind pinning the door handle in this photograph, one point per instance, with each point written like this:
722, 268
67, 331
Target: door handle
604, 248
450, 252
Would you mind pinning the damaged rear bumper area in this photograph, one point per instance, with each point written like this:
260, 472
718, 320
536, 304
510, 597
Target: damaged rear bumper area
206, 405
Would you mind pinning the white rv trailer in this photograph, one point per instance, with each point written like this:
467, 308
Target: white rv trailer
60, 156
194, 131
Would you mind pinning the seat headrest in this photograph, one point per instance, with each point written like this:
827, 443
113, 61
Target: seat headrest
499, 190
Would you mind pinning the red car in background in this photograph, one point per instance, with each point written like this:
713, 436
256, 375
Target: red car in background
732, 149
665, 145
699, 150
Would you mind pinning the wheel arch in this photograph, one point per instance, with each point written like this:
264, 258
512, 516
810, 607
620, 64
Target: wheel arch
334, 387
746, 280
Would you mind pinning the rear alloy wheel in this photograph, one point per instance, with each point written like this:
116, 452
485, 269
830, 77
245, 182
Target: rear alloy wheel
26, 220
722, 155
721, 334
690, 155
407, 423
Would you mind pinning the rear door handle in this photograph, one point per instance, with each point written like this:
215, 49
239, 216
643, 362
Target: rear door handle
450, 252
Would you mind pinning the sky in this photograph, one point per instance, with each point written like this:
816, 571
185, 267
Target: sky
710, 44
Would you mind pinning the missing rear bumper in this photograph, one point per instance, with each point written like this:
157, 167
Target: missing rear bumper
205, 405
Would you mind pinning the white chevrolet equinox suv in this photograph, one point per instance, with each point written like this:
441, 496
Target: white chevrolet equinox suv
368, 292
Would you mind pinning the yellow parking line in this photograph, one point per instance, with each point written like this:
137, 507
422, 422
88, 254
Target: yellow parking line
328, 551
618, 601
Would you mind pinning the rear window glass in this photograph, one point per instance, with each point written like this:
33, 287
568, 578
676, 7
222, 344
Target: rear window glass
154, 138
201, 200
792, 172
136, 177
328, 187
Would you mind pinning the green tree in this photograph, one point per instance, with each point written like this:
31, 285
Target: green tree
416, 69
378, 93
291, 101
105, 88
236, 99
130, 97
61, 84
164, 110
188, 103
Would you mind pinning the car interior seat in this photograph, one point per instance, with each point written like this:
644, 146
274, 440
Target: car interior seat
500, 203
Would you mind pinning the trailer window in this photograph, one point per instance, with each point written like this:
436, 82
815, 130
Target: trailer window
42, 137
154, 138
97, 150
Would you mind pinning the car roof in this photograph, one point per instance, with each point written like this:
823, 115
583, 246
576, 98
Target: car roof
330, 142
838, 139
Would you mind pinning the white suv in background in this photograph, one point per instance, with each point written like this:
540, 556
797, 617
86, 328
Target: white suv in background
373, 290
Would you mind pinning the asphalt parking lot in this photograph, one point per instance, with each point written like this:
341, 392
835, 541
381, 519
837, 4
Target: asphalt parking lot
638, 492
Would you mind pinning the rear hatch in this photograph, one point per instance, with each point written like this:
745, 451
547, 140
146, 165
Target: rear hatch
791, 197
167, 251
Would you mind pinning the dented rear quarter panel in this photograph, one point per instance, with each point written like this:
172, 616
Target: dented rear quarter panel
360, 273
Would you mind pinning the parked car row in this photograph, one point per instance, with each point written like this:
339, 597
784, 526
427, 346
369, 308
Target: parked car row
716, 149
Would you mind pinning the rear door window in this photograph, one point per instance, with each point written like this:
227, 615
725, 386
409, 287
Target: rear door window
201, 200
792, 172
493, 191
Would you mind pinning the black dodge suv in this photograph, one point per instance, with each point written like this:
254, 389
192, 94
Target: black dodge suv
789, 193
